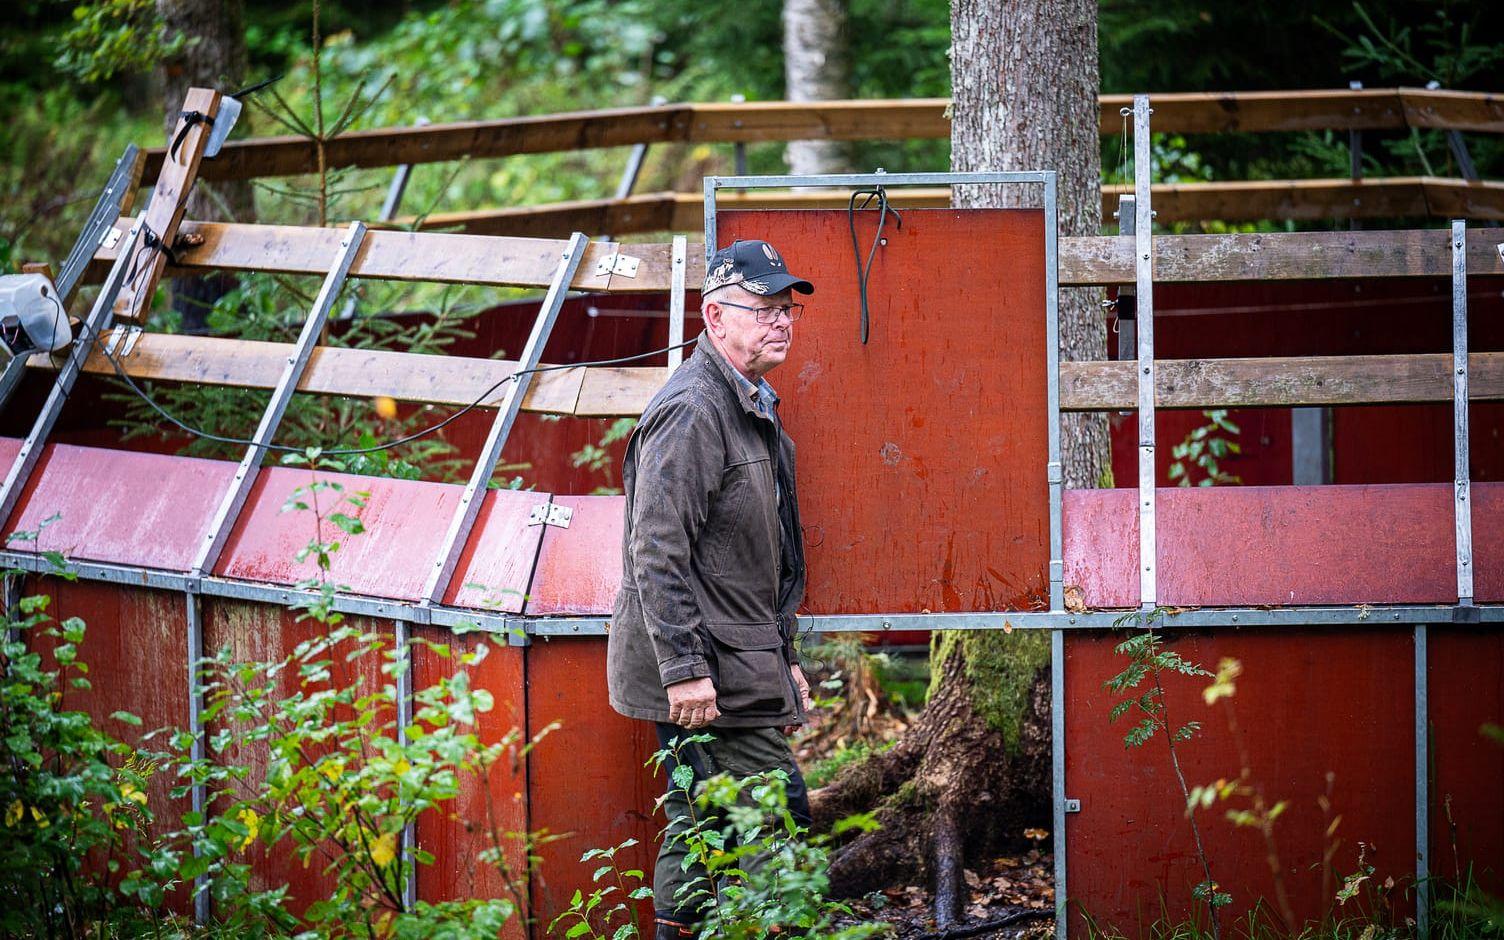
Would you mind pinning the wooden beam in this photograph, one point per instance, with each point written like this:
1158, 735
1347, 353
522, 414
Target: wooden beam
866, 119
168, 199
334, 370
385, 255
1084, 261
1298, 200
1279, 382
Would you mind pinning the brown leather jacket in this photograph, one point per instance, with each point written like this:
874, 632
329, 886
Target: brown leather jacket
713, 556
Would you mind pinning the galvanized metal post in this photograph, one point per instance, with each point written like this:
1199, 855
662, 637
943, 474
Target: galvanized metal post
1057, 773
1143, 257
633, 169
679, 263
287, 385
198, 796
1054, 468
402, 641
712, 183
739, 149
1422, 791
1355, 160
1461, 483
98, 320
474, 493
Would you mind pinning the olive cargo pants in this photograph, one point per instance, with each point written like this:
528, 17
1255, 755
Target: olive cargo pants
740, 752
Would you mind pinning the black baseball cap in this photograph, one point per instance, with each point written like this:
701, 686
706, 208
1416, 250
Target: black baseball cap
754, 266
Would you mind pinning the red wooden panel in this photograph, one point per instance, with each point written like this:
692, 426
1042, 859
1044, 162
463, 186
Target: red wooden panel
490, 809
497, 563
587, 778
404, 520
1253, 545
922, 454
119, 506
1465, 690
262, 633
135, 648
1311, 703
579, 568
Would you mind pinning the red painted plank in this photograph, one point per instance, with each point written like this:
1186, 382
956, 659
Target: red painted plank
922, 453
404, 521
1255, 545
490, 809
496, 565
579, 568
119, 506
1311, 703
1465, 688
587, 778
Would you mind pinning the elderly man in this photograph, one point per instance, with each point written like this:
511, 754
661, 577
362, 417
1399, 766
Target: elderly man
702, 637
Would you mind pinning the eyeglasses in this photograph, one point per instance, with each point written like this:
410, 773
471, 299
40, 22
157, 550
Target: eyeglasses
770, 314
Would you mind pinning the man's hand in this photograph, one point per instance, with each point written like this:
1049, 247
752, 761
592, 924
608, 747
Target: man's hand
802, 684
691, 703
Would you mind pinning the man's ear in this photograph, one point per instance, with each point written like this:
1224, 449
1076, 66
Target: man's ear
711, 313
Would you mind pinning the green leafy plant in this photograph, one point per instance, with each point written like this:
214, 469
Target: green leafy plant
1203, 449
1141, 682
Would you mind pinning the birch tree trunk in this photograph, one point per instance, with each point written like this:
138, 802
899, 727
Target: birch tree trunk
974, 770
213, 57
816, 67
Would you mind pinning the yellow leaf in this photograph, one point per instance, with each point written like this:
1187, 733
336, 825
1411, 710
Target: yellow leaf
42, 821
14, 813
402, 766
384, 850
251, 820
332, 769
386, 408
130, 792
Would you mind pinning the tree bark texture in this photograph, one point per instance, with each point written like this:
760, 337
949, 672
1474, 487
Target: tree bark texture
213, 57
1024, 89
816, 67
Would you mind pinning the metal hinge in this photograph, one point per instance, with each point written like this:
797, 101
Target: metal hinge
1073, 806
617, 263
550, 514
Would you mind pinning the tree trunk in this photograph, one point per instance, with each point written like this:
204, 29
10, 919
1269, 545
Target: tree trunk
816, 68
974, 770
213, 57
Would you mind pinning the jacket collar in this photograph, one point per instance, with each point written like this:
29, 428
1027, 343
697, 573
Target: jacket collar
739, 386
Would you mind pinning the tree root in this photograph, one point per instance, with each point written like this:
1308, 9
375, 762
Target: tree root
1012, 919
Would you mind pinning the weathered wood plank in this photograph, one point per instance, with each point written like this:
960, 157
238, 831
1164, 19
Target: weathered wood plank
169, 198
333, 370
869, 119
1278, 382
1084, 261
614, 392
384, 255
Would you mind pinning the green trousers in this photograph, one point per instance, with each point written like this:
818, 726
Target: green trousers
740, 752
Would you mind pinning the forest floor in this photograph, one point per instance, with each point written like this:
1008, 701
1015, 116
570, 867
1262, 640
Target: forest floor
1016, 892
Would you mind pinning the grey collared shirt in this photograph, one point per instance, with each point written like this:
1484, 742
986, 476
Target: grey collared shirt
765, 400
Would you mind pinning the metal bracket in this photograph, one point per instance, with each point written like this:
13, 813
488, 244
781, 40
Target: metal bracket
1073, 806
550, 514
617, 264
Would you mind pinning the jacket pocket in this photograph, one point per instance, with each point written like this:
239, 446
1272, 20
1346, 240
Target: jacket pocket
747, 666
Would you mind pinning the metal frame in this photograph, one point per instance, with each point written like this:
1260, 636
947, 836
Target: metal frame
1143, 267
1461, 484
679, 262
506, 415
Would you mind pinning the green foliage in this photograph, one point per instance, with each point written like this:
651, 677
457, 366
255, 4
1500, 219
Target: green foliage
73, 796
597, 458
110, 37
1203, 449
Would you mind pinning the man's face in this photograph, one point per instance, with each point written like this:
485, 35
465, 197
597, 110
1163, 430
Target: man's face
753, 347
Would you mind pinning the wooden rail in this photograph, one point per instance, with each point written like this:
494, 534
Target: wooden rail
903, 119
1101, 260
1301, 200
612, 392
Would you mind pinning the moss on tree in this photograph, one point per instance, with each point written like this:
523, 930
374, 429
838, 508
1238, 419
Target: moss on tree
1001, 667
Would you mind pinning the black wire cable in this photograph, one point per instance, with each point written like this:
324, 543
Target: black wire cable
863, 274
354, 451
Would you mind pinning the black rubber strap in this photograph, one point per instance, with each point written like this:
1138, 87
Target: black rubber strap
190, 120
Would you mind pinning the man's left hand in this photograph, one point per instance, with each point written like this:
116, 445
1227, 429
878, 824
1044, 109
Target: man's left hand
802, 684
